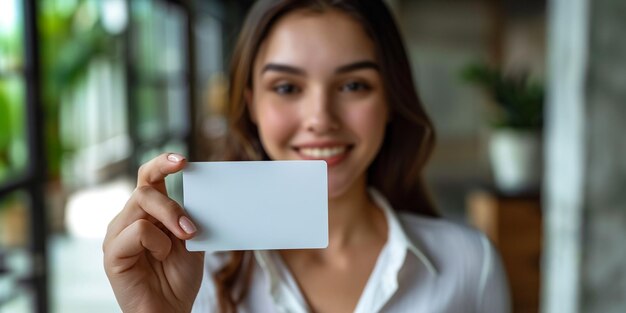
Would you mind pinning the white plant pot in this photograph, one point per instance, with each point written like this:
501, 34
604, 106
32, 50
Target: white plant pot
516, 160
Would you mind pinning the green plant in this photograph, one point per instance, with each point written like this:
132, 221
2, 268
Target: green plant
12, 144
66, 52
5, 135
518, 100
13, 158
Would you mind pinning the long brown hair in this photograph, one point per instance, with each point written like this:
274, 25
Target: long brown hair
409, 137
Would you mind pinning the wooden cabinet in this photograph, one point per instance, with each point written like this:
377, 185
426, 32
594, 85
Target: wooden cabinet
514, 225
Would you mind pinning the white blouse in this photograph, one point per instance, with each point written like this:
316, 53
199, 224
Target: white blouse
427, 265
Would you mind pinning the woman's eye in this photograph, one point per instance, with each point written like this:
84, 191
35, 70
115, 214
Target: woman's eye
354, 86
285, 89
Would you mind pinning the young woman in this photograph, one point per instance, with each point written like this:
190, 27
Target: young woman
325, 79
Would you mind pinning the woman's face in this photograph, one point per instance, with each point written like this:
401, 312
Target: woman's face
318, 95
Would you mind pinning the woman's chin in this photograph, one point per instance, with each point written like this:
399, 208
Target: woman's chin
334, 194
337, 189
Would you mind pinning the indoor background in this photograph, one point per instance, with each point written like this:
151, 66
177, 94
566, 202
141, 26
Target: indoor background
528, 99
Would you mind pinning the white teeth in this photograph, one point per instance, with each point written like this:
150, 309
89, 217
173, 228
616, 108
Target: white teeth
323, 152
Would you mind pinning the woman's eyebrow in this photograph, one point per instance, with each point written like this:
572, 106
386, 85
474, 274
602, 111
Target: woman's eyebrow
298, 71
282, 68
357, 66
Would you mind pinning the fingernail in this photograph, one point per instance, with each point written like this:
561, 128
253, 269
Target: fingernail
187, 225
173, 157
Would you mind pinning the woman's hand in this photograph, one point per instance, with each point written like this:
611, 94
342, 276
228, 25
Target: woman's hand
145, 257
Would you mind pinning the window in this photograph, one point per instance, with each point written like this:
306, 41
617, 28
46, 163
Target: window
22, 239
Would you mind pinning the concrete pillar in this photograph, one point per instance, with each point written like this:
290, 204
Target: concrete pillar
585, 185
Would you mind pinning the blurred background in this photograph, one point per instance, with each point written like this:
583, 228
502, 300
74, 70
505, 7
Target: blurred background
527, 97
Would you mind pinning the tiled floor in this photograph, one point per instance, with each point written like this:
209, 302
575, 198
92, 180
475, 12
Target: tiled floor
77, 279
78, 282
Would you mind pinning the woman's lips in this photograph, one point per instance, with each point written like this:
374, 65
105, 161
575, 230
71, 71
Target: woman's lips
333, 155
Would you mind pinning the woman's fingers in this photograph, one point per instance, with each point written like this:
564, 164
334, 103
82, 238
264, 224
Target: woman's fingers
123, 250
148, 203
154, 172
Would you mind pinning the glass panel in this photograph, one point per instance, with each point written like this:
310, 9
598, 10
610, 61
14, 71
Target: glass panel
14, 219
143, 42
177, 110
13, 144
15, 264
149, 113
159, 38
11, 36
173, 25
209, 65
158, 50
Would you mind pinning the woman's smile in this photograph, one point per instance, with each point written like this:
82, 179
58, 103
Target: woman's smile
332, 153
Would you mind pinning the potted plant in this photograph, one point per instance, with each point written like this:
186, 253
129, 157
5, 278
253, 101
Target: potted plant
516, 121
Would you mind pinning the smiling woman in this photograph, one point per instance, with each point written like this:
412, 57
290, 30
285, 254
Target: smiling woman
317, 94
324, 80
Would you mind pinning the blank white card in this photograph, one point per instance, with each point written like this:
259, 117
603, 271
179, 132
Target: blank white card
257, 205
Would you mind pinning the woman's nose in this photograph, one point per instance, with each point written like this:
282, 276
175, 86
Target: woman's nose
320, 115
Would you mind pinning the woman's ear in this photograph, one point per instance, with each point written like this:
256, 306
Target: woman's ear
251, 111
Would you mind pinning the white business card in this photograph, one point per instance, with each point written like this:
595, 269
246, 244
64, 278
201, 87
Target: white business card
257, 205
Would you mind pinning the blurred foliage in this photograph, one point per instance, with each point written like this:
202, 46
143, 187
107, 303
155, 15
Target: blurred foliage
6, 131
71, 37
13, 154
519, 101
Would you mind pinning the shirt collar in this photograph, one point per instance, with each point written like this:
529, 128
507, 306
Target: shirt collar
398, 238
283, 289
285, 292
399, 241
382, 284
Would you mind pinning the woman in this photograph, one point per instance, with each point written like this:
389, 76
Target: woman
315, 80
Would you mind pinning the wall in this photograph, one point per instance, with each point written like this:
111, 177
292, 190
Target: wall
443, 36
585, 259
604, 217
